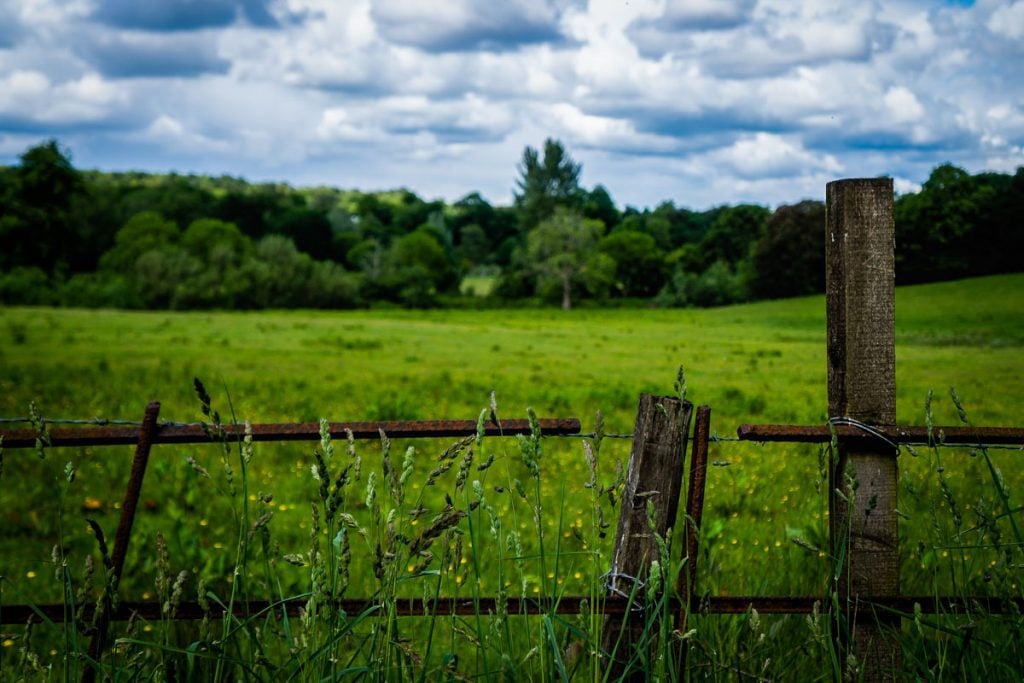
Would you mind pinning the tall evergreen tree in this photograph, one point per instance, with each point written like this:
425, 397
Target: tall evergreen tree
546, 183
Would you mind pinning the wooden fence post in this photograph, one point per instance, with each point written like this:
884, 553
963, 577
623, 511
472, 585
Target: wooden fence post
860, 301
654, 475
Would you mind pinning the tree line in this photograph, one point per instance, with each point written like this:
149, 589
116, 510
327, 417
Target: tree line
137, 240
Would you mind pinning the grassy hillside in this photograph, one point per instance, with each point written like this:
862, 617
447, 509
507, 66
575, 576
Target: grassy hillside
762, 362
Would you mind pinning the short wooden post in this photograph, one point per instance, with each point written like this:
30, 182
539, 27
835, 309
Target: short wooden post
860, 301
655, 476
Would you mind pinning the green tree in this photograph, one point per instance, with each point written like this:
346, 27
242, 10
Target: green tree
474, 247
421, 267
212, 240
998, 238
563, 249
598, 204
143, 232
546, 183
789, 260
181, 199
718, 285
734, 233
934, 227
639, 263
169, 277
40, 224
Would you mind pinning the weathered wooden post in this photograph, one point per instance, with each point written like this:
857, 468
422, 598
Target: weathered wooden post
860, 300
655, 476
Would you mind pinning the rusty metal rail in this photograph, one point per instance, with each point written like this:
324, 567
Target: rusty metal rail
307, 431
967, 436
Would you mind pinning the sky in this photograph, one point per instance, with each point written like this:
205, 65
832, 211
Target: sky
700, 102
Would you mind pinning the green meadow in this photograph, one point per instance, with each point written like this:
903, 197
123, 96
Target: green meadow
756, 363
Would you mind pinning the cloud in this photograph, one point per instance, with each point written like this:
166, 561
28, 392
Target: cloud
468, 119
703, 15
768, 41
29, 100
170, 132
1008, 21
133, 54
697, 101
10, 26
606, 133
464, 25
766, 155
181, 15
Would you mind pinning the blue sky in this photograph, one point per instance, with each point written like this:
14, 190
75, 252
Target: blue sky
701, 102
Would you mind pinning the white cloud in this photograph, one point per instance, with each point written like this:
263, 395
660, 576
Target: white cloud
902, 105
50, 12
1008, 21
30, 96
691, 100
169, 132
768, 155
22, 85
604, 132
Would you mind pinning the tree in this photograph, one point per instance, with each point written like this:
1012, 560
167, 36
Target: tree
790, 259
934, 228
207, 237
639, 264
562, 248
421, 250
598, 204
545, 184
734, 232
39, 224
473, 249
143, 232
998, 237
179, 198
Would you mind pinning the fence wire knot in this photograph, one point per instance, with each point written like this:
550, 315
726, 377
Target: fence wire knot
637, 605
866, 428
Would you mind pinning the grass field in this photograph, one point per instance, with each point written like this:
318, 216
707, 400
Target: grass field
761, 362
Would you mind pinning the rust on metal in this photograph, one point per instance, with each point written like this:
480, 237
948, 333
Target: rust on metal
966, 436
124, 529
134, 490
306, 431
687, 581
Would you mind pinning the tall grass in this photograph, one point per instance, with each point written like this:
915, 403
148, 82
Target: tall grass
486, 517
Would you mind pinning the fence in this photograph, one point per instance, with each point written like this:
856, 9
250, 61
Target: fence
861, 379
660, 436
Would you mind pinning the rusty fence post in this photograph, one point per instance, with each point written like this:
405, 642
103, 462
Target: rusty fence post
687, 584
860, 302
124, 532
654, 477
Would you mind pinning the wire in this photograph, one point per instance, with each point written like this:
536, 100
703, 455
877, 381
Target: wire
864, 427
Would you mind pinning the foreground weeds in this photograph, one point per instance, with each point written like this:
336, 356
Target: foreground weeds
495, 523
